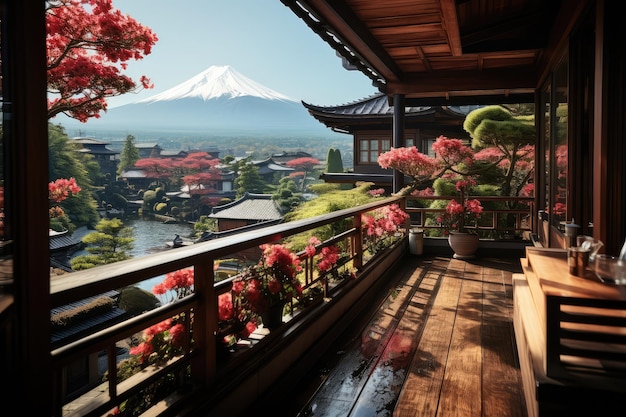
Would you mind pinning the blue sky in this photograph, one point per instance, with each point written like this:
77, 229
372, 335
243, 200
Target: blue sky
262, 39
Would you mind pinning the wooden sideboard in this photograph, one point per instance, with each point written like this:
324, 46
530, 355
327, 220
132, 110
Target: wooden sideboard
571, 338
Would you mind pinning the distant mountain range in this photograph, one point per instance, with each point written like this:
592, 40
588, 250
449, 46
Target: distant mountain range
218, 101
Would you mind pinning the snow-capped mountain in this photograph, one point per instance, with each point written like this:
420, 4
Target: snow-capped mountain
218, 101
218, 82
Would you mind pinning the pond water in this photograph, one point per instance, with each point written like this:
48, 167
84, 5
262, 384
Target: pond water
151, 236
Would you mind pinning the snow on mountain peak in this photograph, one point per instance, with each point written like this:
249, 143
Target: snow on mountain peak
216, 82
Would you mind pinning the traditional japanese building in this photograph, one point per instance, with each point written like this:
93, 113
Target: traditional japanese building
370, 122
106, 158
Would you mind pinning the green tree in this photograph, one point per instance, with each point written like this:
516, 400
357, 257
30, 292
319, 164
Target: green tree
506, 143
249, 180
129, 155
65, 161
334, 163
287, 195
109, 243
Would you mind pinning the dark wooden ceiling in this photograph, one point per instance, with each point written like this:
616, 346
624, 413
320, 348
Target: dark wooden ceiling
429, 49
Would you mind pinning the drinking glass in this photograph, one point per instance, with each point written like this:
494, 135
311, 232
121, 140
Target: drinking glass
610, 269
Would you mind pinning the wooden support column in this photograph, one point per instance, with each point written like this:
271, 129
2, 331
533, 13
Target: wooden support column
398, 136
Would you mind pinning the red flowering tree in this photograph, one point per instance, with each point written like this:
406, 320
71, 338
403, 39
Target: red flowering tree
58, 191
305, 165
454, 162
89, 44
158, 169
200, 174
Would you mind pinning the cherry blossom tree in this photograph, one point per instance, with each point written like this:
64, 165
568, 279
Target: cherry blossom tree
89, 44
158, 169
304, 164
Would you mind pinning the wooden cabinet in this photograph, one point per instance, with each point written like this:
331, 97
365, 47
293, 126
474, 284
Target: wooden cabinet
571, 338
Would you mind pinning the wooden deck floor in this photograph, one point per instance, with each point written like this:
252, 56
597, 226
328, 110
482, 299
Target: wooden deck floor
439, 343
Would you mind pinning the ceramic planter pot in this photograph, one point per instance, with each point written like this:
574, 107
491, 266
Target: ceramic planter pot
273, 317
464, 245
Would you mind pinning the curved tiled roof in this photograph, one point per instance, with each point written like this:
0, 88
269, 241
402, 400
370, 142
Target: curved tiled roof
376, 109
377, 105
255, 207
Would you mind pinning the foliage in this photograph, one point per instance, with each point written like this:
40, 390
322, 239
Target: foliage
287, 195
129, 155
205, 224
505, 142
330, 198
249, 180
66, 162
110, 243
135, 300
158, 169
334, 163
59, 191
89, 43
271, 282
305, 164
381, 225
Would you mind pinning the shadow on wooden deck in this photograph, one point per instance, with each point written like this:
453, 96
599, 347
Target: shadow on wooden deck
439, 341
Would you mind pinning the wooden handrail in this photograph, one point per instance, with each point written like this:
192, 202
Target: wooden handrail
76, 286
200, 357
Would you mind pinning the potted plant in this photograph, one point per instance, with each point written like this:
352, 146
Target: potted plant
454, 162
267, 286
458, 220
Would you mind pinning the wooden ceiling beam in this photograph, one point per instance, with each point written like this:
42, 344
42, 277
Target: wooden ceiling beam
451, 24
339, 15
440, 83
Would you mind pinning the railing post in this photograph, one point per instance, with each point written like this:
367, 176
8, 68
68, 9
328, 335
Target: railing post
358, 243
204, 366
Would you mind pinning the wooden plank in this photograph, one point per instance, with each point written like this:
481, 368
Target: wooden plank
344, 387
421, 392
501, 376
461, 388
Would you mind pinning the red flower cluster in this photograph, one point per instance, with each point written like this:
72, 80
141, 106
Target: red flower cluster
272, 281
179, 282
58, 191
61, 188
164, 338
328, 256
384, 221
234, 313
459, 215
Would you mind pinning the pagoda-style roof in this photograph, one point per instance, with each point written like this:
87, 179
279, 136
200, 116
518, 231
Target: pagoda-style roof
93, 146
250, 207
376, 111
268, 166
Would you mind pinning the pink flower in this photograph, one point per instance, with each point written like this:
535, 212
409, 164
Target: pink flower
177, 334
225, 306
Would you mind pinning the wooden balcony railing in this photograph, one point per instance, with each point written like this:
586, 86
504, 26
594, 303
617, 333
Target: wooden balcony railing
502, 217
201, 366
